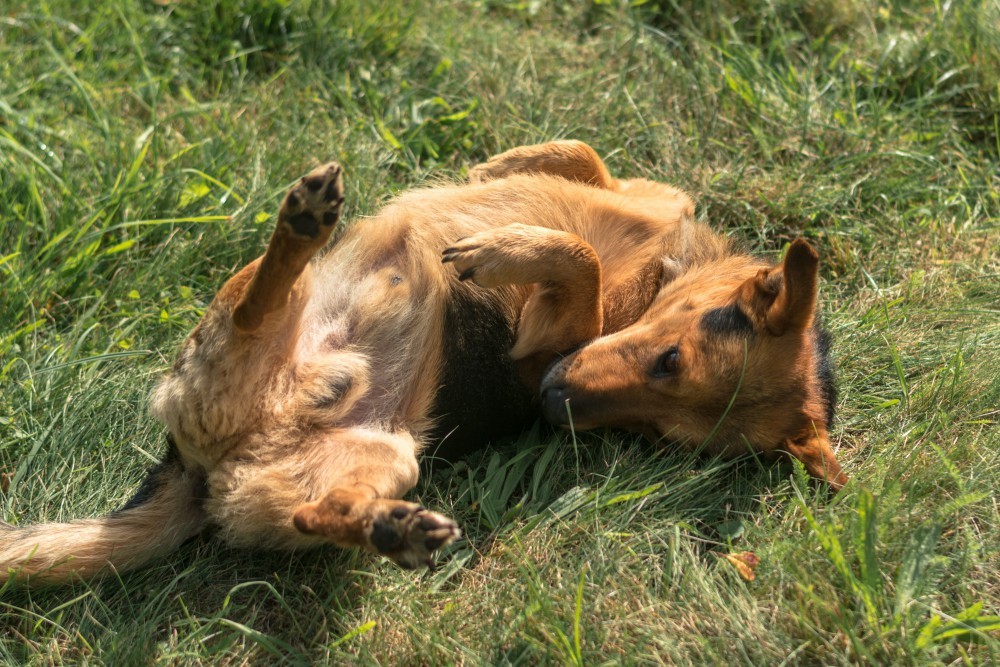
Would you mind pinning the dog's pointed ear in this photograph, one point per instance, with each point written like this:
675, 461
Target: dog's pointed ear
783, 298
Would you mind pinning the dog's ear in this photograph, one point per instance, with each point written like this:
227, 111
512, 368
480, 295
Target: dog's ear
783, 298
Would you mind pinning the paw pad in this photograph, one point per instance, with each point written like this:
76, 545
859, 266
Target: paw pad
409, 534
312, 207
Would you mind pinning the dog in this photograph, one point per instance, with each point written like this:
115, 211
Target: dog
297, 407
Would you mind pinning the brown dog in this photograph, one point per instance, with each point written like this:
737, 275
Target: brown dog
299, 404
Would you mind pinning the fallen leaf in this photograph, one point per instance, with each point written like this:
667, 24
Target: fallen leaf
745, 562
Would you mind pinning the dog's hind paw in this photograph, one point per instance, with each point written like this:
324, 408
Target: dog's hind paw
409, 534
312, 206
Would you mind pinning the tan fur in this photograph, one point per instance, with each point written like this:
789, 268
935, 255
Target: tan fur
54, 552
728, 393
299, 405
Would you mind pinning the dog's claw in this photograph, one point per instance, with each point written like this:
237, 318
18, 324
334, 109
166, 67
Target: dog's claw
455, 252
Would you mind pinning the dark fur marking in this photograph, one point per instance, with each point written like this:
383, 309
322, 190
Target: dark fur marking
170, 465
726, 321
304, 224
481, 397
334, 391
825, 371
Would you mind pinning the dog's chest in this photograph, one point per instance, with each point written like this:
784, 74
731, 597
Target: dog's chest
480, 396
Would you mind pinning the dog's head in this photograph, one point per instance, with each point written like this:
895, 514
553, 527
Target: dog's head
726, 356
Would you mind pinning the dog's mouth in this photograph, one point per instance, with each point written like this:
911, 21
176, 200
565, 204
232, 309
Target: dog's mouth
554, 394
565, 403
558, 399
570, 397
571, 409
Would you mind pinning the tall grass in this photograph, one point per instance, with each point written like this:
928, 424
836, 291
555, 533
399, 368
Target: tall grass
145, 145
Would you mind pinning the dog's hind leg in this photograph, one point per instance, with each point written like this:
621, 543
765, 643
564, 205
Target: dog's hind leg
306, 219
573, 160
564, 310
369, 472
342, 486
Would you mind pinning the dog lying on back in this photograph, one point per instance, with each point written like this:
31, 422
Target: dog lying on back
298, 406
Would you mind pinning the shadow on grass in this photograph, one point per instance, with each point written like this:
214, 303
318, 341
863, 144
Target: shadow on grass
210, 599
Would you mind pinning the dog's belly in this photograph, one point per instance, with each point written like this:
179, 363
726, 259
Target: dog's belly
377, 311
431, 341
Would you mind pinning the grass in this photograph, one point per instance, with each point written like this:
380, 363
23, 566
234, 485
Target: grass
143, 146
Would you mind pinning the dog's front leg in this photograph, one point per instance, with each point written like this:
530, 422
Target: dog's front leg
564, 310
234, 367
306, 219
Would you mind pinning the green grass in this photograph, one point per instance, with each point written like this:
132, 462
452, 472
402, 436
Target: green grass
143, 145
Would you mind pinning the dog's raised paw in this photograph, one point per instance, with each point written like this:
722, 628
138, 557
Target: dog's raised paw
312, 206
409, 534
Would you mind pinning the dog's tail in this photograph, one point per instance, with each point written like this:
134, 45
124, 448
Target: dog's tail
165, 512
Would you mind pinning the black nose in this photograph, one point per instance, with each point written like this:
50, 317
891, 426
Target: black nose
554, 405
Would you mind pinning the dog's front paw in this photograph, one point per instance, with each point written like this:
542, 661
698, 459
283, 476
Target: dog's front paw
466, 256
502, 256
409, 534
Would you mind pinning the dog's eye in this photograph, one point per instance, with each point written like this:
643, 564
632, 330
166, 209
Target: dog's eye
667, 364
